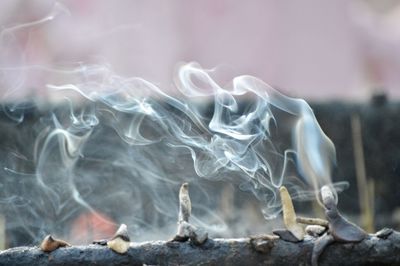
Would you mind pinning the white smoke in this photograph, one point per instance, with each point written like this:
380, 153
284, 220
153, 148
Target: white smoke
122, 146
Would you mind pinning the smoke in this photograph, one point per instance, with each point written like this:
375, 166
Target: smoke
119, 148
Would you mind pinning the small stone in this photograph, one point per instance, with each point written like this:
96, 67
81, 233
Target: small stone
315, 230
384, 233
262, 245
198, 236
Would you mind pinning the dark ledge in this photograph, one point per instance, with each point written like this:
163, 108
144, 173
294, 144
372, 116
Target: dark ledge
242, 251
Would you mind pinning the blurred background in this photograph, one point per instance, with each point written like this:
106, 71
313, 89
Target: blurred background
315, 50
341, 56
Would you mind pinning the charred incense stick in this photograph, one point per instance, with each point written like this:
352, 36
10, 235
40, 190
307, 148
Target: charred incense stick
289, 215
186, 230
185, 205
312, 221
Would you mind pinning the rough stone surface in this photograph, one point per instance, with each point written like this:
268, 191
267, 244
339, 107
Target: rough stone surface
371, 251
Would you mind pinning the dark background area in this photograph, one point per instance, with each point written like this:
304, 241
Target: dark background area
380, 138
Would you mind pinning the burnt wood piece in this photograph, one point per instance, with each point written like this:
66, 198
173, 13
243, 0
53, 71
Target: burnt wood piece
371, 251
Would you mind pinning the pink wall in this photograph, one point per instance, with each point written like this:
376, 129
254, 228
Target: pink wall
311, 49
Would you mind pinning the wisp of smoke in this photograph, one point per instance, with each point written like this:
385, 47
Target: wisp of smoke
122, 147
124, 143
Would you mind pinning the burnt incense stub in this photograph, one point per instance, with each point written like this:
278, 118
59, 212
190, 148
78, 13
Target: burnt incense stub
186, 230
293, 231
340, 229
312, 221
50, 244
185, 205
289, 214
119, 243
